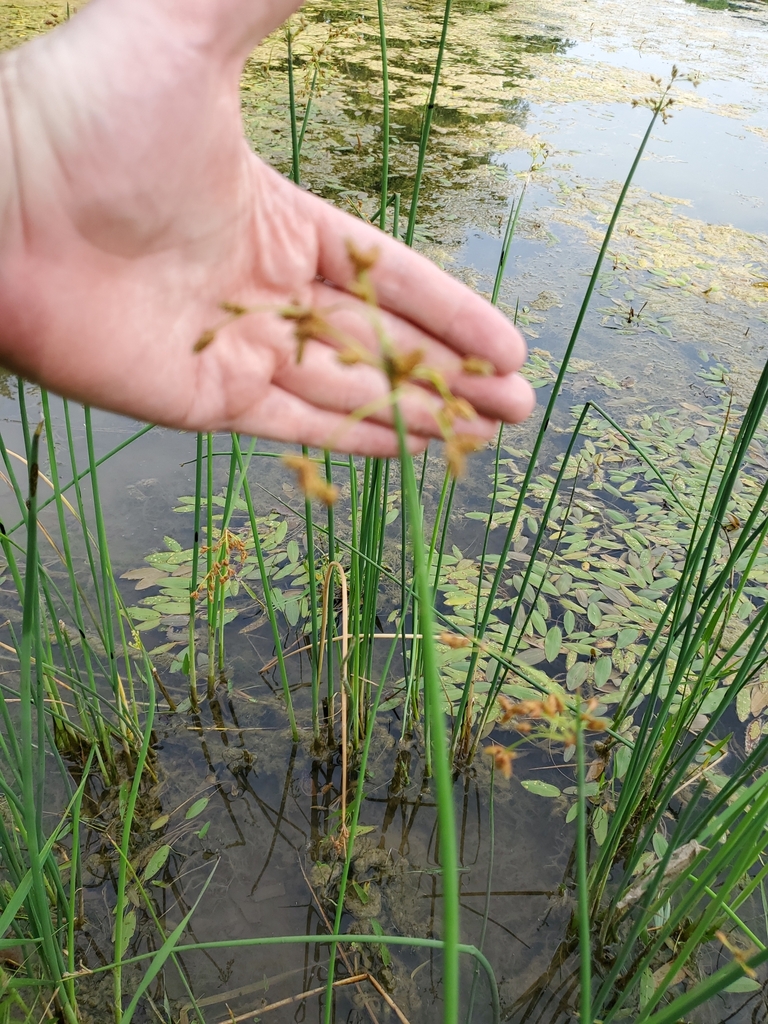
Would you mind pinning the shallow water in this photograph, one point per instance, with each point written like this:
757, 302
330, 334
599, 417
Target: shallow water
556, 72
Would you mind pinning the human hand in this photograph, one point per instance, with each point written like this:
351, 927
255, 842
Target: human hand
134, 209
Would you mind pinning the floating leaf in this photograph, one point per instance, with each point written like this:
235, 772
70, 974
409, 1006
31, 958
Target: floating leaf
197, 808
626, 637
383, 950
291, 611
540, 788
538, 622
752, 735
553, 642
147, 576
576, 675
744, 985
647, 987
156, 862
603, 667
564, 583
160, 822
600, 825
360, 892
129, 928
743, 705
621, 761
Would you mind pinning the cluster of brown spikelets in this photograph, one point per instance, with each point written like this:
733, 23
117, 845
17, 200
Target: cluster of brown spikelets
228, 549
549, 717
400, 368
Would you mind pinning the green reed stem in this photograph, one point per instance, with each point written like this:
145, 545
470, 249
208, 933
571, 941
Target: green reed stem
295, 152
193, 698
75, 880
104, 561
488, 889
384, 118
506, 245
230, 494
88, 541
267, 592
427, 126
312, 573
307, 110
125, 842
93, 698
444, 535
582, 887
24, 419
354, 819
31, 732
440, 755
352, 671
534, 459
698, 558
331, 531
209, 544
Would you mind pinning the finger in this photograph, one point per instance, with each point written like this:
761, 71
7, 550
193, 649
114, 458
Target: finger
282, 416
414, 289
321, 380
509, 397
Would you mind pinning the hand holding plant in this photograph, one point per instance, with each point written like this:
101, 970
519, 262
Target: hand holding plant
133, 209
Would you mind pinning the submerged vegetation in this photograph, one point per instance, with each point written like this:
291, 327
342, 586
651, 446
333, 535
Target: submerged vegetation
597, 605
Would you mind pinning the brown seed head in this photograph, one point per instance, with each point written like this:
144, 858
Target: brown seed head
361, 262
595, 724
457, 447
458, 408
234, 309
507, 707
510, 709
478, 367
552, 706
349, 357
399, 366
502, 758
453, 641
204, 340
310, 481
309, 325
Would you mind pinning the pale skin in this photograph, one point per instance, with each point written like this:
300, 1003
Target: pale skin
131, 208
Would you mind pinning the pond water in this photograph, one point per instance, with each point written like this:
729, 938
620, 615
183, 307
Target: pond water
690, 260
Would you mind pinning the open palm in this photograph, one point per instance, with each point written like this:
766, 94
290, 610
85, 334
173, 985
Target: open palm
133, 209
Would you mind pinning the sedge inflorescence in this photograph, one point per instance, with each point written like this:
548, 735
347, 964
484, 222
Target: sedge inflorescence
401, 368
548, 718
